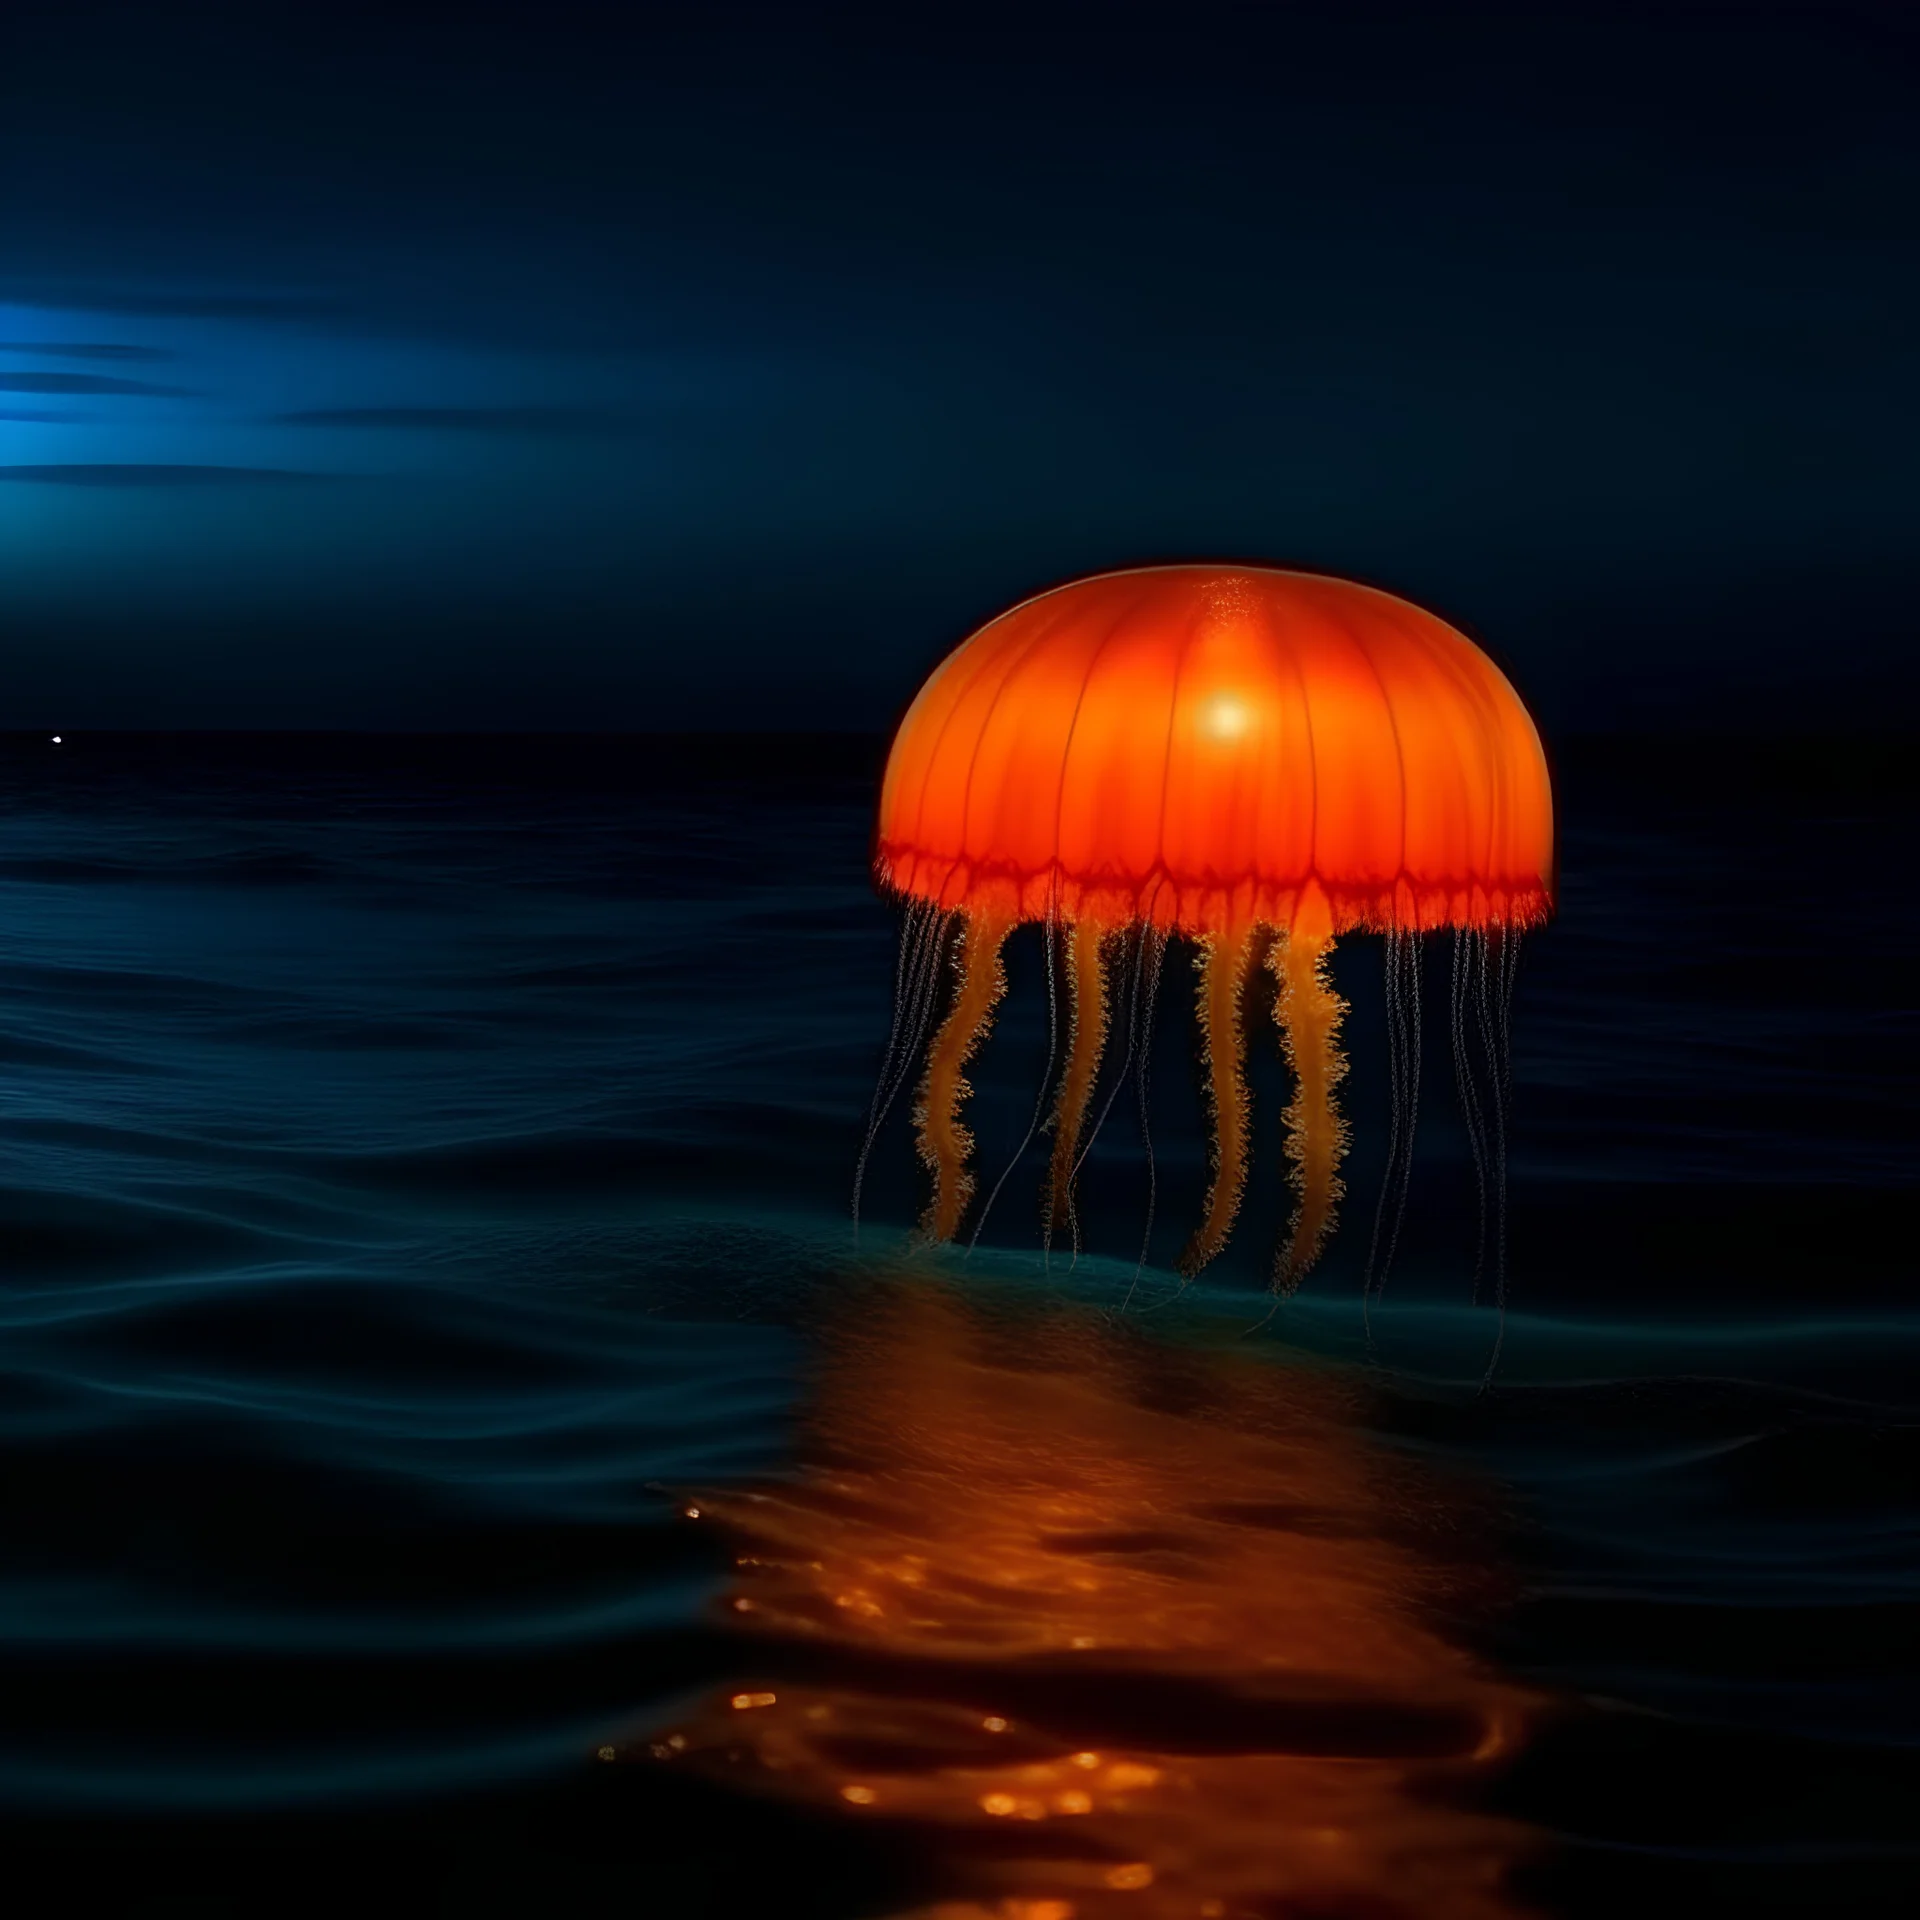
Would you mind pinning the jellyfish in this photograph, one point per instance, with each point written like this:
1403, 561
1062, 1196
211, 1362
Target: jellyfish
1256, 761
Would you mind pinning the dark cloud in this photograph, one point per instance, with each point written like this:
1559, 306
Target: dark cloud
537, 420
76, 474
174, 306
83, 350
82, 383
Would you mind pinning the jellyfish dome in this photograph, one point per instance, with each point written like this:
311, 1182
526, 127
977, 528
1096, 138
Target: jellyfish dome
1253, 759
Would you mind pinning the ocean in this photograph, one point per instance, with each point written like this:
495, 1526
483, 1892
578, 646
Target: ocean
458, 1453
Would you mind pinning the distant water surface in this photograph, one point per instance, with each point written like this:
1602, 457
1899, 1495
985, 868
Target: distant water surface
426, 1176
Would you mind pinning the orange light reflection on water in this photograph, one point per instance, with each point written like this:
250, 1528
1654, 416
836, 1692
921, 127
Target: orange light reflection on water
1121, 1628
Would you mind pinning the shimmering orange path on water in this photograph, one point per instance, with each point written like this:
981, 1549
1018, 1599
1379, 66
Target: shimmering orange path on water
1121, 1630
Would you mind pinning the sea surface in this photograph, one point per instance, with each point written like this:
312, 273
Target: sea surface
457, 1454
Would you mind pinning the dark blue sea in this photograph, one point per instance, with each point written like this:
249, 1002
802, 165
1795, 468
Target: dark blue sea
457, 1457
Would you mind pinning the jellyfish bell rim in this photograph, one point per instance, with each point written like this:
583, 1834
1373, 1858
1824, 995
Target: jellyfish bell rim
1206, 908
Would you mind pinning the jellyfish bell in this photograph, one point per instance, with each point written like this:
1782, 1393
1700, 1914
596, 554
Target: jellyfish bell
1254, 760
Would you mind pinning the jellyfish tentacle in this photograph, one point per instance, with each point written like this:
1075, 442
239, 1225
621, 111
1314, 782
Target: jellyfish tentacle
906, 972
945, 1144
1404, 1064
1226, 962
1396, 1082
1403, 997
1047, 930
936, 934
1086, 1041
1153, 954
1134, 952
917, 915
1494, 1041
1509, 979
1500, 1073
1309, 1013
1469, 1099
1410, 1073
1056, 1029
930, 945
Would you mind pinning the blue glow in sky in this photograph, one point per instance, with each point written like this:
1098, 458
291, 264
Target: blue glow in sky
354, 463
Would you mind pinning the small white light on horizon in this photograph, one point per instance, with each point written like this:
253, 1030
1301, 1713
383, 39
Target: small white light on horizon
56, 739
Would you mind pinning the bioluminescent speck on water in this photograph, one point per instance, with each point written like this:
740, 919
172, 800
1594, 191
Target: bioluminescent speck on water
1257, 760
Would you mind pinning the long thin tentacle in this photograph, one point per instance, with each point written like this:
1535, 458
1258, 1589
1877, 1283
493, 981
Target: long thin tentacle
942, 930
1509, 973
1410, 993
922, 940
1509, 979
1087, 1039
1469, 1100
1153, 953
885, 1084
1406, 994
919, 912
1048, 930
1309, 1013
1493, 1041
944, 1143
1135, 959
1397, 1094
1225, 963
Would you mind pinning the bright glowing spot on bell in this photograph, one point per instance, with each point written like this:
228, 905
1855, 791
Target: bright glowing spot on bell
745, 1700
693, 1513
1226, 717
994, 1724
1136, 1873
998, 1803
1086, 1759
1073, 1802
860, 1796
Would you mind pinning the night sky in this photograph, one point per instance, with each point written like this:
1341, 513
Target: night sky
492, 367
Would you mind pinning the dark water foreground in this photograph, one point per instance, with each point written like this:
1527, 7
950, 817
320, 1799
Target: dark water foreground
423, 1186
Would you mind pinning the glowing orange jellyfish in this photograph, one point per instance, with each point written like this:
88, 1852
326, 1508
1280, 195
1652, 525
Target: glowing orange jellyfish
1255, 759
